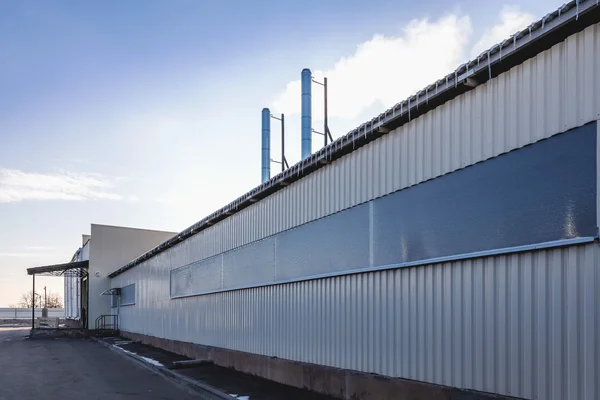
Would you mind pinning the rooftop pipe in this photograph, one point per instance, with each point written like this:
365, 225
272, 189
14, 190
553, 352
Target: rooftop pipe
266, 145
306, 113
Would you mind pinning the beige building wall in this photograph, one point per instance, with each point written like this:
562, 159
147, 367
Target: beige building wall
111, 248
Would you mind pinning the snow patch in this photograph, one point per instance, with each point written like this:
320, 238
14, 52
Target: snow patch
235, 396
148, 360
151, 361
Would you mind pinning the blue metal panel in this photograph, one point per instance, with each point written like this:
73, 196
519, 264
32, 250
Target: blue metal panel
539, 193
128, 295
339, 242
306, 113
249, 264
197, 277
266, 145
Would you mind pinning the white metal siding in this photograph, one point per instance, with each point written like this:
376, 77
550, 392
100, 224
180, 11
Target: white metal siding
522, 324
555, 91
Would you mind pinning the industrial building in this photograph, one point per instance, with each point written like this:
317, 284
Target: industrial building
103, 250
451, 241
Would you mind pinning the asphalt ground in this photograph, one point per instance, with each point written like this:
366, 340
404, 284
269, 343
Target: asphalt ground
75, 369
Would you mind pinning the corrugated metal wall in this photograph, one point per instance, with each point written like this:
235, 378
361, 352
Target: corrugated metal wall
71, 292
553, 92
540, 193
523, 324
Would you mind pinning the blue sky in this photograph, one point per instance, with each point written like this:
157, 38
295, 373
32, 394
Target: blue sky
147, 113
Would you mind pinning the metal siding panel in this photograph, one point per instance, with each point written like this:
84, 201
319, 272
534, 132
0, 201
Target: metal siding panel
427, 148
488, 117
596, 81
467, 135
428, 331
350, 179
412, 153
572, 309
514, 108
387, 164
380, 172
328, 186
300, 202
321, 193
585, 90
570, 81
403, 132
558, 91
404, 336
528, 128
396, 160
457, 329
373, 171
446, 133
419, 149
499, 99
413, 321
436, 151
541, 315
455, 133
340, 172
468, 325
364, 172
555, 328
439, 320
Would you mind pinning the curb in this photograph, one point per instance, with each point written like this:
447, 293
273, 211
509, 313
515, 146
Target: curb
209, 392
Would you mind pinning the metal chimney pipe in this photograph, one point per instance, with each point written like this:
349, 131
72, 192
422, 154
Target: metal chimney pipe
306, 113
266, 145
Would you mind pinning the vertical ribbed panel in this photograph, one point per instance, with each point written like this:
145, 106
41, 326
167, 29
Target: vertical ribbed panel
524, 324
557, 90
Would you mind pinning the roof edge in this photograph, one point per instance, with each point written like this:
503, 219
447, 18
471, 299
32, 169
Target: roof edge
58, 267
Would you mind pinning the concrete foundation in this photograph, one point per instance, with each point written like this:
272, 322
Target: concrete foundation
73, 323
341, 383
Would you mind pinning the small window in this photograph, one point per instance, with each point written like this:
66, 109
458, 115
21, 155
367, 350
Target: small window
114, 301
128, 295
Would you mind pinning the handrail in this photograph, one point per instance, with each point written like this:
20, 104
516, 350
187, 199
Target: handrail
113, 322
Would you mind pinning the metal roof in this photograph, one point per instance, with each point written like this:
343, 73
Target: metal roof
542, 34
79, 268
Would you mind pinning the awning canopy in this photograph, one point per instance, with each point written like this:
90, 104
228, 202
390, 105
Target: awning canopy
111, 291
78, 268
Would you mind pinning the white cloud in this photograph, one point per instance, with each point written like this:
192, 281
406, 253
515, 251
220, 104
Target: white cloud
16, 185
510, 21
388, 69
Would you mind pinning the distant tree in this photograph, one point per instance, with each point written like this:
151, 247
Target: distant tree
53, 300
26, 300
